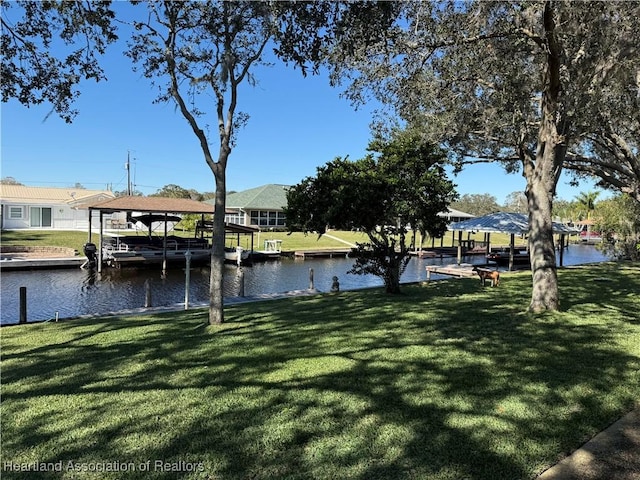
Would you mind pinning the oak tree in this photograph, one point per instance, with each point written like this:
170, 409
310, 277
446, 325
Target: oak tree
388, 197
513, 82
516, 202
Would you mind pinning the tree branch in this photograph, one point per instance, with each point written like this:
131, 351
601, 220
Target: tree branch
170, 44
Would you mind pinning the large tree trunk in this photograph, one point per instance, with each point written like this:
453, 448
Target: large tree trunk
392, 278
216, 279
396, 265
542, 176
544, 295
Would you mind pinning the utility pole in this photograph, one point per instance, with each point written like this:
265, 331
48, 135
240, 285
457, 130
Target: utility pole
128, 167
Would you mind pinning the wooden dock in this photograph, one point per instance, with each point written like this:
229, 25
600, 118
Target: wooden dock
328, 253
435, 253
460, 271
425, 254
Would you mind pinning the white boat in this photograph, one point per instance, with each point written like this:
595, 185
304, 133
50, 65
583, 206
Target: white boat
144, 250
272, 250
237, 255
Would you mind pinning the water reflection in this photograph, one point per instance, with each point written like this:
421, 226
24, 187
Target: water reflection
73, 292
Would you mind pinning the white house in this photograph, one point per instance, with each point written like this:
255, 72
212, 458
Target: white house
41, 207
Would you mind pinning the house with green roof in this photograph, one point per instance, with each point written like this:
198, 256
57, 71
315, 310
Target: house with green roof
261, 207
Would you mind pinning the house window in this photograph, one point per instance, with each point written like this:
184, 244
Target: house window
237, 218
40, 217
267, 219
16, 213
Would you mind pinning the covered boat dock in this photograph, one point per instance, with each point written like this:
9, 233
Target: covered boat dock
158, 208
505, 222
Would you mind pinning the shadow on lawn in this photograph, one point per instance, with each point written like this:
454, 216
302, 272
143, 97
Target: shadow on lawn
601, 288
444, 382
12, 236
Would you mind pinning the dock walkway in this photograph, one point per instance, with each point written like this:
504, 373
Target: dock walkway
327, 253
455, 270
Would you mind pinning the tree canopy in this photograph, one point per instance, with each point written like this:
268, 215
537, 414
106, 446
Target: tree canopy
516, 202
31, 73
176, 191
389, 197
477, 204
9, 181
618, 220
587, 202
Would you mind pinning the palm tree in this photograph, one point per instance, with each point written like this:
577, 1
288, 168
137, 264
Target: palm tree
588, 201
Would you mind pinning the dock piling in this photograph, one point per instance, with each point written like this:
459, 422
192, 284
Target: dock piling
187, 278
241, 282
147, 293
23, 304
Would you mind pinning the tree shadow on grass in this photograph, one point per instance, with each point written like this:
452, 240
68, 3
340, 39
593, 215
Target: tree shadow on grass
12, 236
610, 288
444, 382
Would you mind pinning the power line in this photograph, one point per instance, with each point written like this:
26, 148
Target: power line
63, 183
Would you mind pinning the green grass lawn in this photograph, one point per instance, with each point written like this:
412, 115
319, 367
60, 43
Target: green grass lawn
292, 242
447, 381
298, 241
47, 238
76, 239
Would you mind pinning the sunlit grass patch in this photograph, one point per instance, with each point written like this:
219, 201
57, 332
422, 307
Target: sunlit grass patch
448, 380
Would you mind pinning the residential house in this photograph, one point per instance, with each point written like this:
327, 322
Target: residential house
261, 207
41, 207
453, 215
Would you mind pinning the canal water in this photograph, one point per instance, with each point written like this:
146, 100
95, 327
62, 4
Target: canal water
73, 292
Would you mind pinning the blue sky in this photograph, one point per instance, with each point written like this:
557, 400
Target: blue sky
296, 124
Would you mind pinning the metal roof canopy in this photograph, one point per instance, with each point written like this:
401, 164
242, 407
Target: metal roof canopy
237, 228
505, 222
229, 227
152, 205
